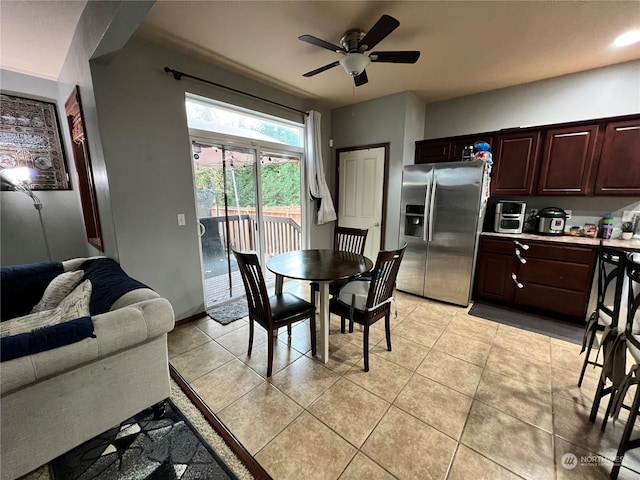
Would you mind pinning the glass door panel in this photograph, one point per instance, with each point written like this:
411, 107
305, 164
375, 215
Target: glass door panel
280, 202
225, 181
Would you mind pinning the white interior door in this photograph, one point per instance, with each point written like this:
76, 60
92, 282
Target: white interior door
361, 191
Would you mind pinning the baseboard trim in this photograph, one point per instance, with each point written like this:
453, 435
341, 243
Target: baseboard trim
190, 319
245, 457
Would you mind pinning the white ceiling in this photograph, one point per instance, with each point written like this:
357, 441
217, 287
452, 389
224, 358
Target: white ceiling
467, 47
35, 35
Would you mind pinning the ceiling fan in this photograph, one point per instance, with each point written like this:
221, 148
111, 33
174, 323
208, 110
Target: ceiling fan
356, 50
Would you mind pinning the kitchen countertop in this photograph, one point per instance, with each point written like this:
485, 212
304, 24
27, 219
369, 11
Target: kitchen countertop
633, 244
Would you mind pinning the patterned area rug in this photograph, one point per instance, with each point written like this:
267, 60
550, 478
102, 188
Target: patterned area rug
143, 448
204, 431
230, 311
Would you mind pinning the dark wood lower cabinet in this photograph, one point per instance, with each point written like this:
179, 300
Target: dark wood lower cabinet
536, 275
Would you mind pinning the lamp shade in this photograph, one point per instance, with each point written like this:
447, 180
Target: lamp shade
354, 63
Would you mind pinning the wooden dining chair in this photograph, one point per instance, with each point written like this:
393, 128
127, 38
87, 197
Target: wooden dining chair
632, 342
611, 268
378, 303
345, 239
271, 312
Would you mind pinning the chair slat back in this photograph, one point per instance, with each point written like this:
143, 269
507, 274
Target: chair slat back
383, 277
632, 327
256, 289
349, 239
611, 270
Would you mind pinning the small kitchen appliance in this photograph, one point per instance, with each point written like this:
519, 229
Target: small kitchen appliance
551, 221
509, 217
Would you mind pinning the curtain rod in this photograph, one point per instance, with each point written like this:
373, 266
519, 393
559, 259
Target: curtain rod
178, 76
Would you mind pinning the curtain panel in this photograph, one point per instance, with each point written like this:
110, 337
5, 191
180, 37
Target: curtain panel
318, 188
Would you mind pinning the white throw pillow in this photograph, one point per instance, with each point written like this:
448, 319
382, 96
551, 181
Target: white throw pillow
59, 288
75, 305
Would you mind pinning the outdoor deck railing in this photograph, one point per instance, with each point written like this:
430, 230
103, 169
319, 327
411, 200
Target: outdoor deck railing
282, 234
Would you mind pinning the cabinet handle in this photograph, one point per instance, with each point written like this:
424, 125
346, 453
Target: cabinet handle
521, 245
515, 280
522, 260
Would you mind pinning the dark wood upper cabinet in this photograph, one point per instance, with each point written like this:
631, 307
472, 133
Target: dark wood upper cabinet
567, 159
447, 150
514, 163
590, 157
619, 167
458, 144
432, 152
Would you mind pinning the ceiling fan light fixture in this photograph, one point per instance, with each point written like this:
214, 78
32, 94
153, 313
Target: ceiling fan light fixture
355, 63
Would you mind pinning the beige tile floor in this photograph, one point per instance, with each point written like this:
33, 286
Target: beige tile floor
457, 398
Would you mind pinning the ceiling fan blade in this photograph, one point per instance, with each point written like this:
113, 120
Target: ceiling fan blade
320, 43
379, 31
321, 69
409, 56
361, 79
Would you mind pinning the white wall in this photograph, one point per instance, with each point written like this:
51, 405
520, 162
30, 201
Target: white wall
103, 28
396, 119
603, 92
145, 137
21, 235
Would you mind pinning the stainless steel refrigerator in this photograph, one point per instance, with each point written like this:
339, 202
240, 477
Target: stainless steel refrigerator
441, 218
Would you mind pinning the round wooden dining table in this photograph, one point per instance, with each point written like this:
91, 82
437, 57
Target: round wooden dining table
322, 267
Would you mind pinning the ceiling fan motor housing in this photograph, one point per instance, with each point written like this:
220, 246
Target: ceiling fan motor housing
350, 41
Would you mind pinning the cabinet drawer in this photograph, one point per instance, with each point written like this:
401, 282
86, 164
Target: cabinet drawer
565, 253
552, 273
494, 245
554, 300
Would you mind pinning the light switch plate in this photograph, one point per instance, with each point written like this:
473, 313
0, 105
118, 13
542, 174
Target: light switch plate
181, 220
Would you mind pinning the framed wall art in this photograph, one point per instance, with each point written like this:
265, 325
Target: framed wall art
82, 159
30, 137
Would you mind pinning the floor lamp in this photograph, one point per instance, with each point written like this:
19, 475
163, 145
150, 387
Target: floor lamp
19, 180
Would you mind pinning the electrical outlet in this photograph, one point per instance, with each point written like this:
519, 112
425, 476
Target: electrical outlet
568, 212
181, 220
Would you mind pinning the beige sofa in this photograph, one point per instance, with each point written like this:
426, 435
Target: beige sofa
54, 400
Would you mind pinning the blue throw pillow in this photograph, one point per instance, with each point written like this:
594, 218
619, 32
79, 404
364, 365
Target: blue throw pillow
108, 283
22, 286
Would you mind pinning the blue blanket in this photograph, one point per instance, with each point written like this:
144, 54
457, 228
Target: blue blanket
22, 286
46, 338
109, 283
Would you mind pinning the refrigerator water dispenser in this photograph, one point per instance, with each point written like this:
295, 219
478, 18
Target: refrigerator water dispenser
414, 221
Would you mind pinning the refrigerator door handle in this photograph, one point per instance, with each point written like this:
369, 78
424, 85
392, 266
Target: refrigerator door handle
427, 200
432, 202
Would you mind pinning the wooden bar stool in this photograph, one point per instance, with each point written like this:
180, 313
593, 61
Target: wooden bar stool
632, 341
611, 272
607, 312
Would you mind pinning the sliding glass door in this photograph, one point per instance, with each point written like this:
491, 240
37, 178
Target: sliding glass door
225, 181
247, 178
231, 217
